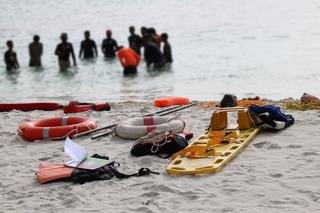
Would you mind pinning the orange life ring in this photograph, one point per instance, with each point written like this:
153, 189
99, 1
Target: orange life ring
55, 128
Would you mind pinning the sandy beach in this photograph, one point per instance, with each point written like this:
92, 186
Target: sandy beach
277, 172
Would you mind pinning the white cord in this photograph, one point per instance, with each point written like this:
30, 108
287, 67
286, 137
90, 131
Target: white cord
155, 137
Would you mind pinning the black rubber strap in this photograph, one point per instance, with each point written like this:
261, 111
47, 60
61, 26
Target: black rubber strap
141, 172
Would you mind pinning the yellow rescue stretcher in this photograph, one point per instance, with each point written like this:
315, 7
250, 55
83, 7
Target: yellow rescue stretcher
216, 147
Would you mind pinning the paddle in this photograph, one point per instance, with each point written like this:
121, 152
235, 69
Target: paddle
113, 125
172, 110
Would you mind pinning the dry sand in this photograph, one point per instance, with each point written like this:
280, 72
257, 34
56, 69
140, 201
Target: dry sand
277, 172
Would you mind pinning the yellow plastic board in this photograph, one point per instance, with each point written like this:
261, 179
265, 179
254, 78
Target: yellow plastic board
211, 151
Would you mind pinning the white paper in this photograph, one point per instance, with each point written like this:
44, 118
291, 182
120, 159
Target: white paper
76, 152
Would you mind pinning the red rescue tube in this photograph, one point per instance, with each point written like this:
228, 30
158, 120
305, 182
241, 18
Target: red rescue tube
29, 106
55, 128
168, 101
74, 108
128, 57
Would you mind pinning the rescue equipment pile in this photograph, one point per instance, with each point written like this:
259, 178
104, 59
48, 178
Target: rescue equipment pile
155, 134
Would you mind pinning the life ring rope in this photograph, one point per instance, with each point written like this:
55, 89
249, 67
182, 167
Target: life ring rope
155, 137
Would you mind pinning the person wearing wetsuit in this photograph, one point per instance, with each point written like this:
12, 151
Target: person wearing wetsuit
109, 46
153, 55
144, 34
155, 37
152, 36
35, 52
63, 51
166, 48
135, 41
10, 57
88, 47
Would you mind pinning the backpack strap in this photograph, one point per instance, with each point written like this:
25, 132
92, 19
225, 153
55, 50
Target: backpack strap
141, 172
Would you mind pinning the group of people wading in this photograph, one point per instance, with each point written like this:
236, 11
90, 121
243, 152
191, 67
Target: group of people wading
129, 57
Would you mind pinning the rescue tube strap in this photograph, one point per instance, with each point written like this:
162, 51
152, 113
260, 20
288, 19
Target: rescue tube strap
151, 128
64, 121
45, 132
148, 121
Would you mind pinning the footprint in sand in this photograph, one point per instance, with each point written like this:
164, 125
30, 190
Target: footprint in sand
276, 175
310, 154
150, 194
44, 159
274, 146
294, 146
260, 144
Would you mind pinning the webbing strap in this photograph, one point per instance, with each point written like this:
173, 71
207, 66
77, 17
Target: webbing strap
141, 172
64, 121
148, 121
151, 128
45, 132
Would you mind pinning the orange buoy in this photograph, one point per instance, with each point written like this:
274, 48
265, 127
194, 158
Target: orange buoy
168, 101
55, 128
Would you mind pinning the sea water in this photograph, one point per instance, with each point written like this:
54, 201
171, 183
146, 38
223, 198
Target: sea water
268, 48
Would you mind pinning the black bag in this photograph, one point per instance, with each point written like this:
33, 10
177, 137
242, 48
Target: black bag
167, 147
105, 173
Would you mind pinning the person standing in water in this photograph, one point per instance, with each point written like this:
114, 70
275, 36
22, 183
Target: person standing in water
135, 41
144, 34
129, 60
88, 47
35, 52
63, 51
154, 36
109, 46
10, 57
153, 55
166, 48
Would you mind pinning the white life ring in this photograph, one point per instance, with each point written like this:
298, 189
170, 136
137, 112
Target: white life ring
137, 127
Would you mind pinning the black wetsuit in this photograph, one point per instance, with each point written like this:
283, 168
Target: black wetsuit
167, 52
63, 51
35, 52
87, 48
109, 47
10, 59
152, 54
135, 43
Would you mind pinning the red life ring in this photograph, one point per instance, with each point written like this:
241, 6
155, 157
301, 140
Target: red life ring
137, 127
55, 128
